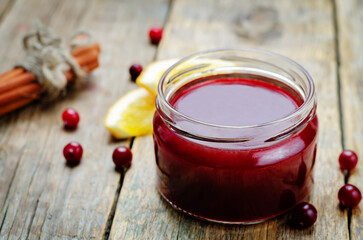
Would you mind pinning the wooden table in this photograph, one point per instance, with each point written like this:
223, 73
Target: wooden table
41, 198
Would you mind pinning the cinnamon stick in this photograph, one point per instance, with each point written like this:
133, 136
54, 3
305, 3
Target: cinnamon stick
81, 50
87, 57
10, 74
14, 105
91, 66
87, 68
19, 80
28, 91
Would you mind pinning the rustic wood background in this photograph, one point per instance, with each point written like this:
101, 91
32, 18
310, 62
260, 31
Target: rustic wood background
41, 198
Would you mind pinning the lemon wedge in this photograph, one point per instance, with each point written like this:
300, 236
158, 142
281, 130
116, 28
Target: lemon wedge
131, 115
152, 73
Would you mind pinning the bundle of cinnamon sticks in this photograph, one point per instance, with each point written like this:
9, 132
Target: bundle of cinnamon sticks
19, 87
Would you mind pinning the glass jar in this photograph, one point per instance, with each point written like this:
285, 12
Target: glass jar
235, 173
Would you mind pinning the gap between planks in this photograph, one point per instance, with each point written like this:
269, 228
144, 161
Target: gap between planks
340, 104
111, 216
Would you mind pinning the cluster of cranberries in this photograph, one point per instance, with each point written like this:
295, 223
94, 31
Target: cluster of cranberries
121, 156
304, 214
349, 195
73, 151
155, 35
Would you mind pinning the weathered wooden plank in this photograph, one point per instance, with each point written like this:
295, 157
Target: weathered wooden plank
350, 25
5, 7
302, 30
140, 213
40, 197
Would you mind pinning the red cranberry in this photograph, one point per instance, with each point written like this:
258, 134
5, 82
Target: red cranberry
135, 71
155, 34
304, 215
70, 118
73, 153
122, 157
349, 196
348, 160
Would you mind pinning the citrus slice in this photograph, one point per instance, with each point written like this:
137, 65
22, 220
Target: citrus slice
151, 75
131, 115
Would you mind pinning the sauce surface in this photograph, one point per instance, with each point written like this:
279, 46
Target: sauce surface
235, 102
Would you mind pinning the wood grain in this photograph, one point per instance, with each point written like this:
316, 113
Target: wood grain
40, 197
350, 25
5, 7
302, 30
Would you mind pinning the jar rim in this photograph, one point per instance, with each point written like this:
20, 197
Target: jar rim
310, 98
